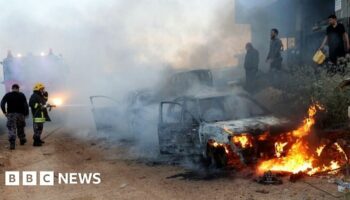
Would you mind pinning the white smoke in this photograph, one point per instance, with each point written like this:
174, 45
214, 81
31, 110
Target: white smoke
113, 47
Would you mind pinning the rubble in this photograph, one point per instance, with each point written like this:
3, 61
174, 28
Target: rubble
343, 186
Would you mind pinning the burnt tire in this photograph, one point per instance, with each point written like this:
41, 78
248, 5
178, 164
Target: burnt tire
216, 157
205, 161
220, 158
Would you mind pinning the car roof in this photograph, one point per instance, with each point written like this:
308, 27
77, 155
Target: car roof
205, 93
215, 93
192, 71
211, 95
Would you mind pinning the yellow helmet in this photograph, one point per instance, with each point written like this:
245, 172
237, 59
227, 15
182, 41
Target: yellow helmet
38, 86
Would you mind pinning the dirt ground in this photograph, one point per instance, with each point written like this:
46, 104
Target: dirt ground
124, 178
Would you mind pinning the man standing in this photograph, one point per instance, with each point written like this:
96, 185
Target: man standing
274, 57
14, 105
251, 65
37, 103
337, 39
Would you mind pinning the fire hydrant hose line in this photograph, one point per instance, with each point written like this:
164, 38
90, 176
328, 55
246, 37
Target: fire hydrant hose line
52, 132
322, 190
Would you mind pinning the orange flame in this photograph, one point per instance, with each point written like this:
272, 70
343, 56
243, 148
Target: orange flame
216, 145
319, 150
341, 150
263, 136
299, 157
279, 146
243, 140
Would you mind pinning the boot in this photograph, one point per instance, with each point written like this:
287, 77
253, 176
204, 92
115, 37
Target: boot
12, 145
23, 141
42, 141
37, 143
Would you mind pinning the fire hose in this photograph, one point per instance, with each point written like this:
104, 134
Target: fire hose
322, 190
52, 132
49, 106
343, 167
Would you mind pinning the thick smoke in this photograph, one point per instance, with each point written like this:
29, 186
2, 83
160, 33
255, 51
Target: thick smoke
115, 47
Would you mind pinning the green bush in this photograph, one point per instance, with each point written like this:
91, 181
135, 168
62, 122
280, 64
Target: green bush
304, 85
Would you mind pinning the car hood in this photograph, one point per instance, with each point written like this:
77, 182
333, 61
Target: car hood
242, 125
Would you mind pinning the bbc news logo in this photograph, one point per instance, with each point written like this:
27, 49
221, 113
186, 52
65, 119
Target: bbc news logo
47, 178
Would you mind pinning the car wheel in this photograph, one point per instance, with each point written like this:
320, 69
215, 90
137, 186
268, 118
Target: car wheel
216, 156
220, 157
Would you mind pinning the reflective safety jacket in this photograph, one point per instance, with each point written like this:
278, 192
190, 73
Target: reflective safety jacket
37, 104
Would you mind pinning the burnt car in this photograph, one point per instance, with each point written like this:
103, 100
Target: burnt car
137, 115
181, 82
218, 126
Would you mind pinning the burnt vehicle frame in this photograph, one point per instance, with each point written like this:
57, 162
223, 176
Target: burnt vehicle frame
189, 134
139, 102
108, 118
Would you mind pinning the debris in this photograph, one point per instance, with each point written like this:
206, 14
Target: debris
269, 179
262, 191
123, 185
343, 186
89, 158
331, 180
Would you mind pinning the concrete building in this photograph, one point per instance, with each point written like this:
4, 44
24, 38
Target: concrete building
302, 24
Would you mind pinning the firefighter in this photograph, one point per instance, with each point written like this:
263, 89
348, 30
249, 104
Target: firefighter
37, 103
15, 107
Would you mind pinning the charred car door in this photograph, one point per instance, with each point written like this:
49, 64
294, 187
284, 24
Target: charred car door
107, 114
177, 132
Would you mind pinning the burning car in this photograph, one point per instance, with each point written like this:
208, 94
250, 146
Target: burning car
235, 130
222, 127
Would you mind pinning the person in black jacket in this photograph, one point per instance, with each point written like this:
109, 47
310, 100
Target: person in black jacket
337, 39
14, 105
276, 47
251, 65
37, 103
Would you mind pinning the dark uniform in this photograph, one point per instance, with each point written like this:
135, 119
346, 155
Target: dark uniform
37, 104
251, 66
336, 42
275, 54
15, 111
